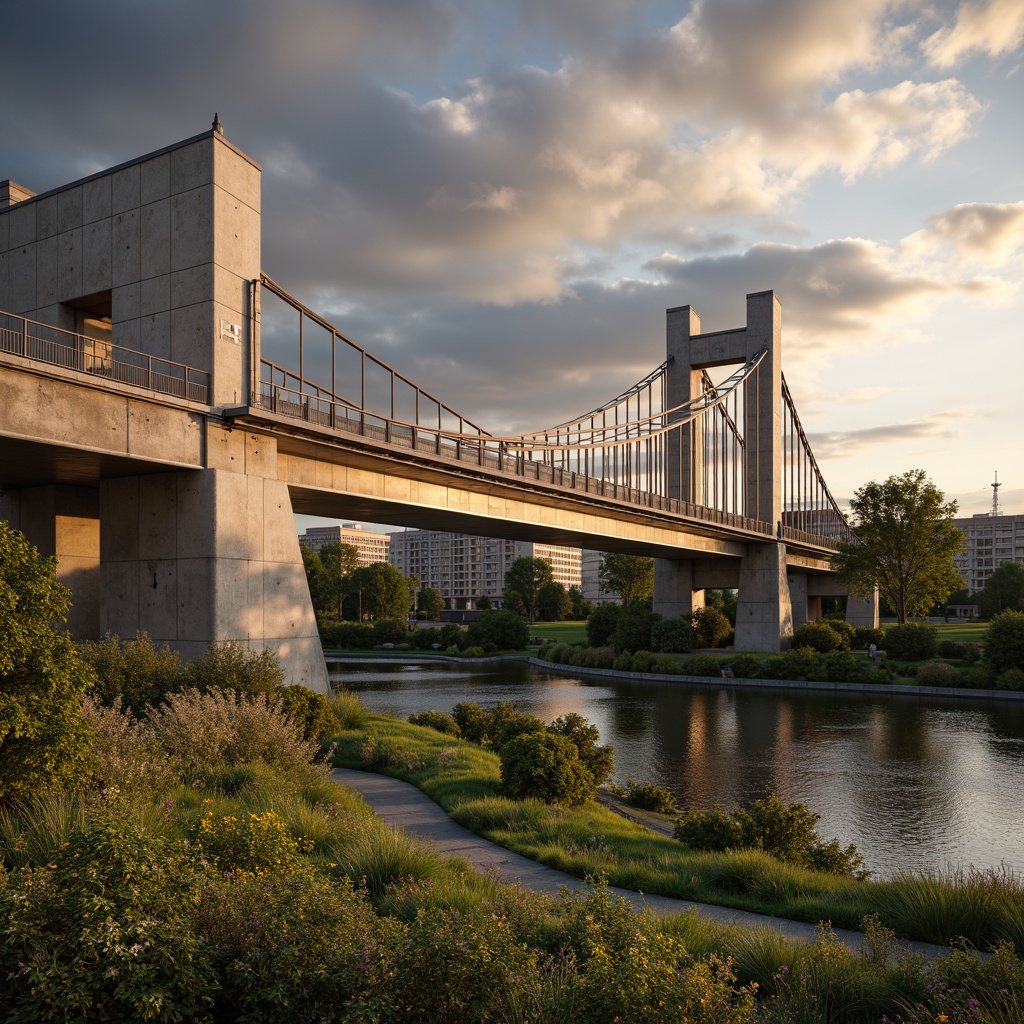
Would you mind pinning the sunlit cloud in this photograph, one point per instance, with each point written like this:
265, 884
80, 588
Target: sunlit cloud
994, 28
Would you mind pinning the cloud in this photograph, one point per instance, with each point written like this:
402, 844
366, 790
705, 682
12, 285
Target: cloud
946, 426
995, 29
987, 233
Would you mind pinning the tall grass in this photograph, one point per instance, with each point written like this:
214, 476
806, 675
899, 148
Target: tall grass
30, 833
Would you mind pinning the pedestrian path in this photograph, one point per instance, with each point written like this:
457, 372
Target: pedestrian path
403, 806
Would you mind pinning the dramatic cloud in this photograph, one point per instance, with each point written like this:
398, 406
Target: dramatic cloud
845, 444
994, 28
988, 233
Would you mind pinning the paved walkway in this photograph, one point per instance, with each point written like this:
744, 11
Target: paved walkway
403, 806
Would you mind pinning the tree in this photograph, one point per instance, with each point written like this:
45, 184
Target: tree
723, 601
1004, 591
44, 740
483, 602
553, 603
321, 594
339, 562
907, 543
430, 602
523, 582
1004, 641
629, 576
380, 591
581, 606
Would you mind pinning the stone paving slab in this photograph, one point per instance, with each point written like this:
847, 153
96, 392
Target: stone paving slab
401, 805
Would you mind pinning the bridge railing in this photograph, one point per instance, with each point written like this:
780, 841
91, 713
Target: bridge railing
44, 343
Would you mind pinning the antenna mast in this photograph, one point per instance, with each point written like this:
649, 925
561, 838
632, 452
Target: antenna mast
996, 511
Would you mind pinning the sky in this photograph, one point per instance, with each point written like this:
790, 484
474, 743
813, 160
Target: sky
501, 198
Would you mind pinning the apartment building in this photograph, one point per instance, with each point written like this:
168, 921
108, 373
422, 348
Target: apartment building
990, 540
372, 547
464, 568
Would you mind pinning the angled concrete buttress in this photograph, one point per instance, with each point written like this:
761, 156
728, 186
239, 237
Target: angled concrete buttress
163, 518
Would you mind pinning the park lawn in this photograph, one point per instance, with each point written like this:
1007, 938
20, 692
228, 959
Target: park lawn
971, 630
561, 632
592, 841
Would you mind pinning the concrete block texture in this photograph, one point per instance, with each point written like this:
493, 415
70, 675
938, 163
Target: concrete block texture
764, 615
674, 593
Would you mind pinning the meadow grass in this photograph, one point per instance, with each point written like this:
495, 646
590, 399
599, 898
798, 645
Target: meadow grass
592, 841
561, 632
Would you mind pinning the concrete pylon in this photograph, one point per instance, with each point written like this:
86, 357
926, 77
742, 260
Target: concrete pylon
764, 618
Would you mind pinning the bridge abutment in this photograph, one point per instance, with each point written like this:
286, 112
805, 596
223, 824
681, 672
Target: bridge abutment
675, 595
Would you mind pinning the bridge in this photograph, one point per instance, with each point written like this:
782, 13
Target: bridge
167, 407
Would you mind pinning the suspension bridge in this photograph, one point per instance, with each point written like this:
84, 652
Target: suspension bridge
160, 452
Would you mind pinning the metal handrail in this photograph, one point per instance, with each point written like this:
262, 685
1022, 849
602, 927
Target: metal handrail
44, 343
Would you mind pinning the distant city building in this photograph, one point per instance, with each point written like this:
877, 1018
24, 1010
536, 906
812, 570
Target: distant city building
590, 574
372, 547
990, 540
464, 568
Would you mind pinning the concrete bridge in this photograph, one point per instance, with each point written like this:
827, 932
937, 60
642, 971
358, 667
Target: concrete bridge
148, 440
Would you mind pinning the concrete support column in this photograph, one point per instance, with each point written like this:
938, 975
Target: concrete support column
682, 383
674, 593
764, 615
64, 521
799, 600
862, 613
204, 556
762, 410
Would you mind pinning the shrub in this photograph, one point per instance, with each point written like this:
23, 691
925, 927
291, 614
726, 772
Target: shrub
746, 666
673, 636
713, 831
348, 709
711, 627
257, 844
505, 723
347, 636
133, 670
1011, 679
703, 665
799, 663
597, 657
601, 624
642, 661
865, 636
388, 631
846, 631
545, 766
231, 666
914, 641
950, 649
475, 652
505, 630
453, 635
819, 636
309, 710
438, 721
840, 666
599, 761
424, 639
44, 741
472, 721
623, 663
633, 628
649, 797
978, 677
1004, 641
938, 673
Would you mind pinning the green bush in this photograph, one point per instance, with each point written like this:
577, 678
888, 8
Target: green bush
673, 636
950, 649
476, 652
1004, 641
703, 665
623, 663
819, 636
311, 711
846, 630
472, 721
841, 667
978, 677
424, 639
633, 628
598, 760
865, 636
453, 635
1010, 679
505, 723
711, 627
601, 624
347, 636
231, 666
438, 721
505, 630
746, 666
649, 797
914, 641
134, 670
642, 661
388, 631
545, 766
938, 673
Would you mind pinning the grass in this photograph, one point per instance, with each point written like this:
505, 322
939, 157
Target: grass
561, 632
972, 631
592, 841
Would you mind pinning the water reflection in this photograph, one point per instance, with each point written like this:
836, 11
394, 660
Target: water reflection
914, 785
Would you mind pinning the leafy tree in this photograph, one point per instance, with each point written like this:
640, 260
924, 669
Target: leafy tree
599, 761
545, 766
673, 636
379, 590
430, 602
483, 602
1004, 641
524, 580
710, 626
581, 606
504, 630
44, 740
339, 562
907, 543
553, 603
1004, 591
633, 628
629, 576
601, 624
723, 601
321, 594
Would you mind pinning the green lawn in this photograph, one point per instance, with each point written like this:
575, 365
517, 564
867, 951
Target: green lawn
562, 632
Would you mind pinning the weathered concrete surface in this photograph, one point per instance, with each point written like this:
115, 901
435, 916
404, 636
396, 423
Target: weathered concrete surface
764, 614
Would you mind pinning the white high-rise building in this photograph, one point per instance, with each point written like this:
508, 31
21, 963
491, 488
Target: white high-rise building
464, 568
990, 540
372, 547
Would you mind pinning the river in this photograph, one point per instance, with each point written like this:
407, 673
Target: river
915, 784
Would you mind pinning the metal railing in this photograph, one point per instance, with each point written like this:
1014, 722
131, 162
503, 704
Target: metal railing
44, 343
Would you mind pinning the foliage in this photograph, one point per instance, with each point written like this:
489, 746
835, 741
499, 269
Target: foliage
633, 628
505, 723
379, 591
703, 665
472, 721
673, 636
320, 593
601, 624
553, 603
746, 666
430, 601
1004, 641
348, 709
524, 580
820, 636
598, 760
437, 720
846, 630
711, 627
865, 636
388, 631
483, 602
723, 601
938, 673
256, 844
310, 711
134, 670
546, 766
504, 630
1011, 679
629, 576
581, 606
787, 833
1003, 591
339, 561
913, 641
647, 796
352, 636
232, 666
100, 933
44, 740
907, 543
